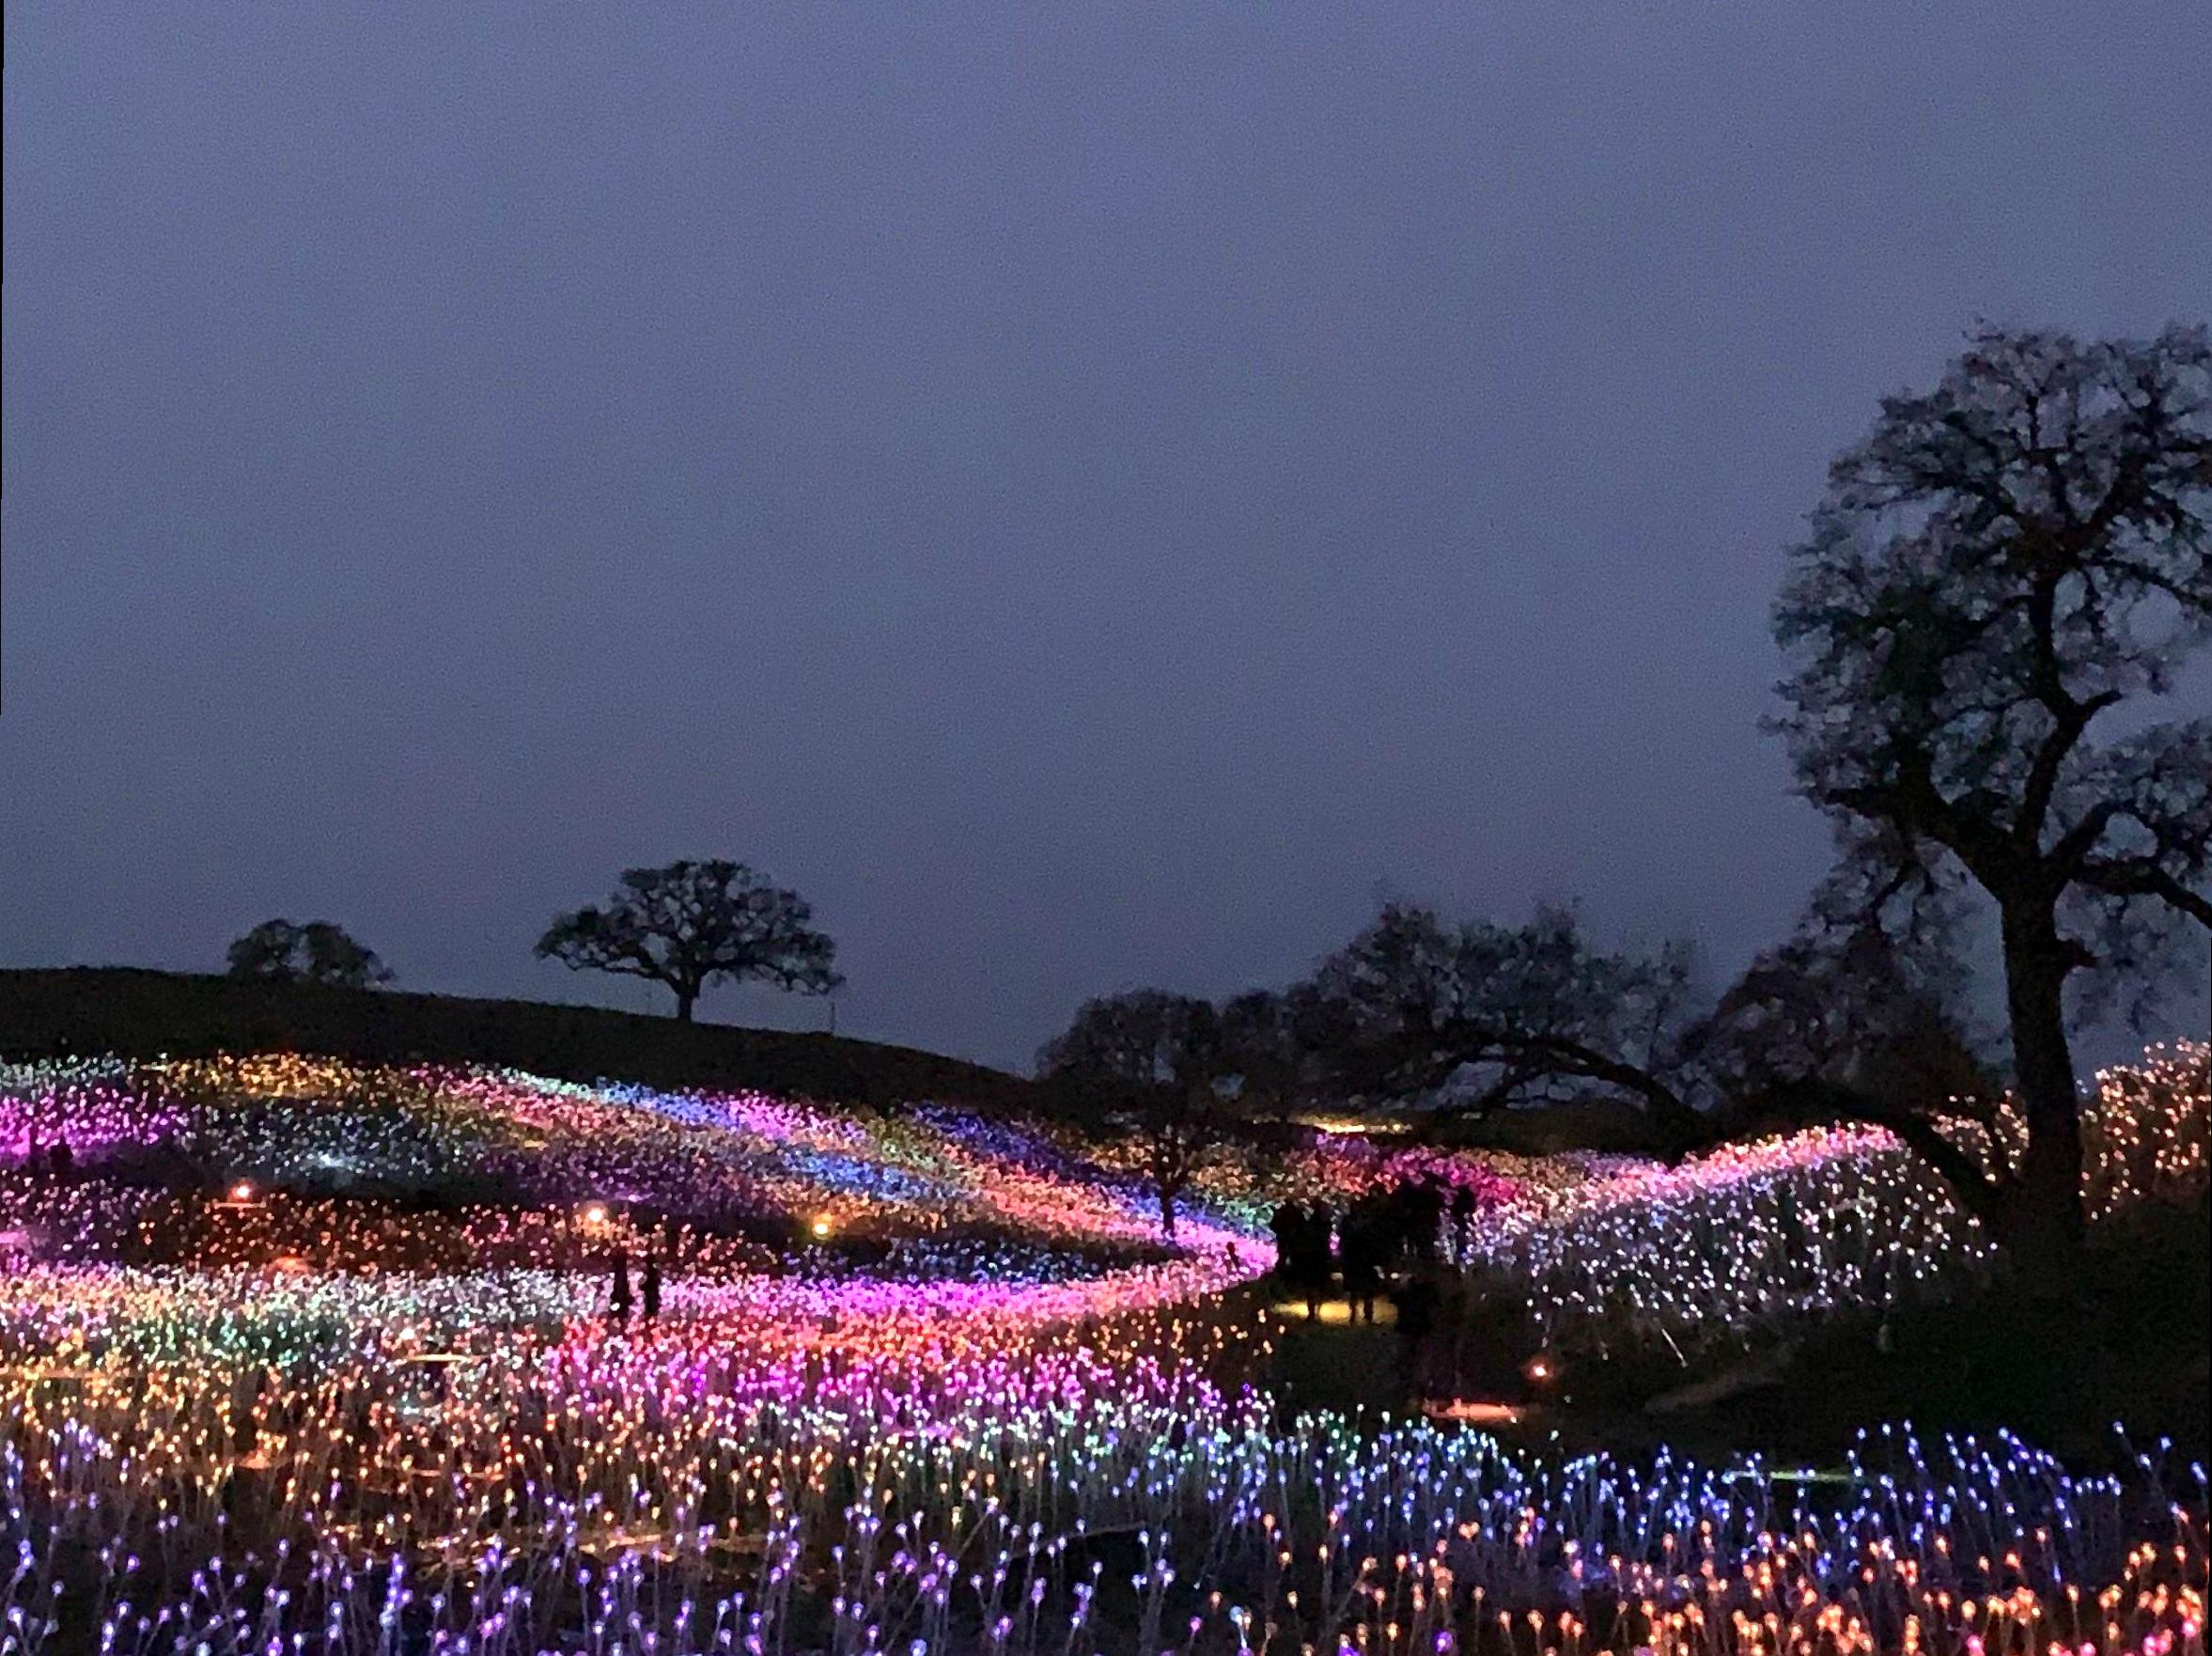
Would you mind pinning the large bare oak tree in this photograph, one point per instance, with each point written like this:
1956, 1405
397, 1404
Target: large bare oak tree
2006, 581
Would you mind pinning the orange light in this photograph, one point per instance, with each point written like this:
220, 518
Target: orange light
242, 1190
595, 1214
821, 1227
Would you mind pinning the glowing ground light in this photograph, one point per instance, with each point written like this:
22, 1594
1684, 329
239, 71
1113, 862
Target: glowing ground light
1475, 1412
821, 1227
1007, 1437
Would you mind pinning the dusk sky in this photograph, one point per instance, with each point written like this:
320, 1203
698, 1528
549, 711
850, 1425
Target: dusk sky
1090, 494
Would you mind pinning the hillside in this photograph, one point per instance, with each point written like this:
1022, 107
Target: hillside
137, 1013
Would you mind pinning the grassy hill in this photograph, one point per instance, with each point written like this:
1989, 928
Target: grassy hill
136, 1013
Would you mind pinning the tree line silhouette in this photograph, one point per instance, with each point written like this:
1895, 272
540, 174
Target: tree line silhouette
2002, 564
2006, 566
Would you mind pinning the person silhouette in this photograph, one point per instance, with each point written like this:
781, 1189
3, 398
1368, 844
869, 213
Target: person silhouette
1315, 1266
652, 1285
618, 1301
1416, 1301
1364, 1247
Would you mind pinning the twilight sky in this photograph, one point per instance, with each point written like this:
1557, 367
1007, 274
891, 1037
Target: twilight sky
1090, 494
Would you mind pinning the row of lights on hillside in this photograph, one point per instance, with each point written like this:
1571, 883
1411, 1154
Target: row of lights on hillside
595, 1214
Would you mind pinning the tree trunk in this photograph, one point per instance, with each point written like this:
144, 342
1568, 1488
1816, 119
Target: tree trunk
685, 1000
2046, 1220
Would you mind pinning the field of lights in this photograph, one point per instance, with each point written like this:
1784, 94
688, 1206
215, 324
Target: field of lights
302, 1356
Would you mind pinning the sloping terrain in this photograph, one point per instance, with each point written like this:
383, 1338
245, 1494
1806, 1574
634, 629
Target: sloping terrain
305, 1353
141, 1014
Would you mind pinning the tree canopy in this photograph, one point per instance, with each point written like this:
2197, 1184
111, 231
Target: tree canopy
1508, 1014
690, 925
2008, 581
284, 951
2002, 564
1158, 1057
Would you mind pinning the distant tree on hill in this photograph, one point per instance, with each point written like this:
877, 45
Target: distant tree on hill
1160, 1060
2004, 562
692, 924
281, 951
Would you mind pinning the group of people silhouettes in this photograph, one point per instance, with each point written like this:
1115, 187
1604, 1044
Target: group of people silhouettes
56, 1158
1388, 1240
619, 1301
1397, 1225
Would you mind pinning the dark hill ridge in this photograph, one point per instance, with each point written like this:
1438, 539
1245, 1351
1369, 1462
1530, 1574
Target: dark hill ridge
83, 1010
